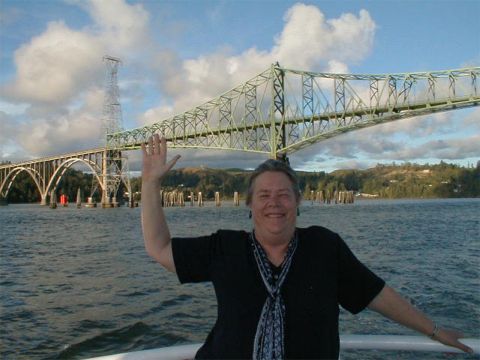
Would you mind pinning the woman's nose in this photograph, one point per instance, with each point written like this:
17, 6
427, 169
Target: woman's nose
273, 200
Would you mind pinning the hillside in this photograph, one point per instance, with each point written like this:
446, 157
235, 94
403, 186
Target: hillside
416, 181
383, 181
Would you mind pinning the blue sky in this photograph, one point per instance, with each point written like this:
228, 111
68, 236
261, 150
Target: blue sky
175, 54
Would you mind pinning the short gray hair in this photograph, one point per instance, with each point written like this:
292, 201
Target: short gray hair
274, 166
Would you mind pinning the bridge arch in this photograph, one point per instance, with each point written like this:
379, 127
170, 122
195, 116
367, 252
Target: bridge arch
10, 178
60, 171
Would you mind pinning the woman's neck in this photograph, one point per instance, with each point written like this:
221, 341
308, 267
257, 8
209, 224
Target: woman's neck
275, 246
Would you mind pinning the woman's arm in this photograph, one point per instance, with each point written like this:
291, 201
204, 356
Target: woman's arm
393, 306
155, 229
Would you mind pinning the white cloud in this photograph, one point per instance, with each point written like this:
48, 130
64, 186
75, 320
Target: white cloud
336, 67
217, 159
122, 26
13, 109
447, 149
154, 115
353, 164
71, 129
307, 41
61, 62
55, 93
8, 132
54, 66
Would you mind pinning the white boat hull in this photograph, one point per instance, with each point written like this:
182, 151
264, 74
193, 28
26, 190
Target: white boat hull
347, 342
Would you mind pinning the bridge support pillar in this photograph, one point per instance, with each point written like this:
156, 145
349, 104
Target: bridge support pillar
44, 200
106, 203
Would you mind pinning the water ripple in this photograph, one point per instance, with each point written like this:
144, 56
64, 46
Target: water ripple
77, 283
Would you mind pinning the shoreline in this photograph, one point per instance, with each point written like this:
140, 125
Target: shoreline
304, 202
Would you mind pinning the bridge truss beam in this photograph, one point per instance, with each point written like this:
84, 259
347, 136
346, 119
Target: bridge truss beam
282, 110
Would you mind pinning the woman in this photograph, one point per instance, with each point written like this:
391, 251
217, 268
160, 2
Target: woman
278, 288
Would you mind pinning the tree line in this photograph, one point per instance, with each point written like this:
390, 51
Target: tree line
383, 181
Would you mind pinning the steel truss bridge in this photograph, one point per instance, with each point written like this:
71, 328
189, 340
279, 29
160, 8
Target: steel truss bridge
274, 113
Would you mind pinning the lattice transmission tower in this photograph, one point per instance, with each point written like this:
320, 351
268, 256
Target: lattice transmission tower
115, 166
112, 109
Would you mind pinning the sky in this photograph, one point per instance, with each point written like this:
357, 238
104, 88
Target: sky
178, 54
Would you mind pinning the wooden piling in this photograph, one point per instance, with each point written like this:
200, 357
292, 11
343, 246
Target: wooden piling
200, 199
79, 199
336, 196
321, 196
181, 199
236, 200
217, 199
165, 198
53, 200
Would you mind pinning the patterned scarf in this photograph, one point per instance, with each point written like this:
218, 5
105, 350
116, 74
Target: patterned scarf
269, 338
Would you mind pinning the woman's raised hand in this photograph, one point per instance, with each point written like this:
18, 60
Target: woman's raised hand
155, 165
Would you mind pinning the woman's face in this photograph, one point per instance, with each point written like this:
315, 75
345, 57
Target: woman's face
274, 204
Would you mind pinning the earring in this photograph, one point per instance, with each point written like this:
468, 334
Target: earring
298, 211
250, 214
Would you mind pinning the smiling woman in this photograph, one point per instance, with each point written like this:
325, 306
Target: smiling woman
278, 287
274, 196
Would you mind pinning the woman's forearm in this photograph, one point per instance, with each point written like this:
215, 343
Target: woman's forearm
154, 225
155, 229
393, 306
390, 304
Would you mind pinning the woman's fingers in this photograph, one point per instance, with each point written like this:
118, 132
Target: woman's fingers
163, 149
451, 337
155, 145
462, 346
156, 148
172, 162
150, 145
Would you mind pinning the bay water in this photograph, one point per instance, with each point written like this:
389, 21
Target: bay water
77, 283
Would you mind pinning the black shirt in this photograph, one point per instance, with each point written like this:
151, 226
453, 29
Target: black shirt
324, 273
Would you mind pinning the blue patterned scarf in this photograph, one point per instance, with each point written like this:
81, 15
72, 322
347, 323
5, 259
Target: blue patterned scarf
269, 338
